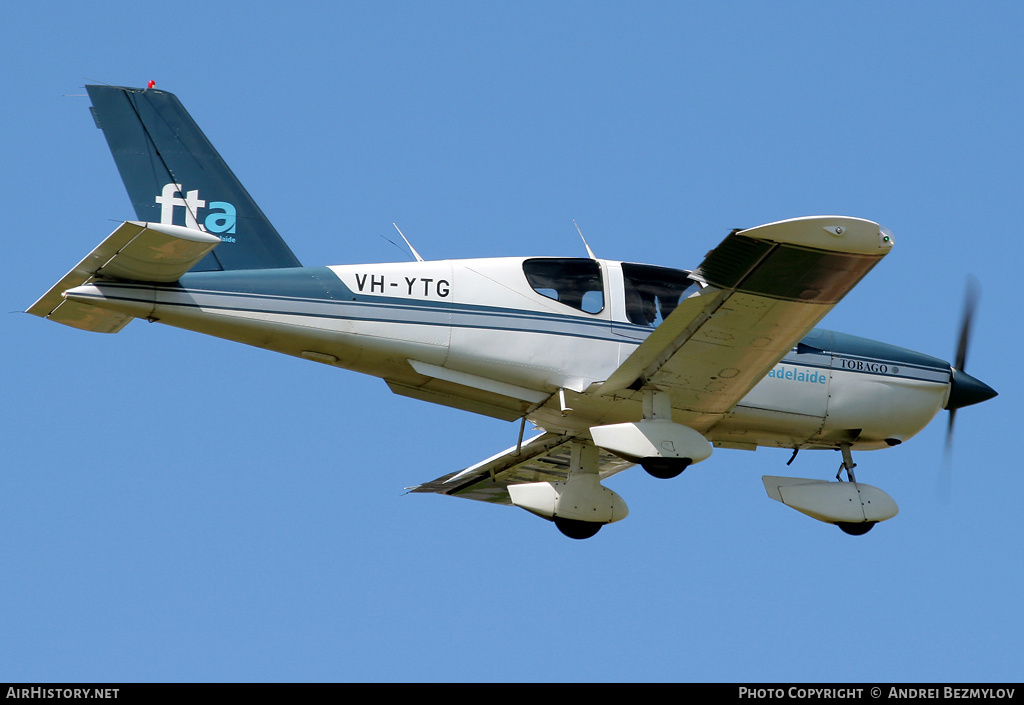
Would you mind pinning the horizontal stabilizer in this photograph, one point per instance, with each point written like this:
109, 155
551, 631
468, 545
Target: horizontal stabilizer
140, 252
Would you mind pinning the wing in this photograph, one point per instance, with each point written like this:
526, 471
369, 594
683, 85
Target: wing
767, 287
544, 458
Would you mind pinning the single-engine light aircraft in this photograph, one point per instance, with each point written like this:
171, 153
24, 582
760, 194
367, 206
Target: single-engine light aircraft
616, 364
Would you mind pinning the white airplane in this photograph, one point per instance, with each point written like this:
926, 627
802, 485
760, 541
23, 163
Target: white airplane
616, 363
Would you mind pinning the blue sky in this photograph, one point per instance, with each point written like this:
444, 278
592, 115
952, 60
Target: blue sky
180, 508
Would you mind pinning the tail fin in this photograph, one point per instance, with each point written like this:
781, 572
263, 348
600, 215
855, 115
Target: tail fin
175, 176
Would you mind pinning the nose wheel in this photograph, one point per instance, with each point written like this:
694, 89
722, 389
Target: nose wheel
852, 506
856, 529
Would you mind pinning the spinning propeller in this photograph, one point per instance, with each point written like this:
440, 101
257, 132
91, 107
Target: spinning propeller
964, 389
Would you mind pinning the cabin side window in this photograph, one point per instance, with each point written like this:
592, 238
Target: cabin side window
573, 282
652, 293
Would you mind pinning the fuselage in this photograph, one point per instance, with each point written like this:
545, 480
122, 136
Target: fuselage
525, 337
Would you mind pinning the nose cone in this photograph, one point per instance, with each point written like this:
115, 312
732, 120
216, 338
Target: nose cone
966, 390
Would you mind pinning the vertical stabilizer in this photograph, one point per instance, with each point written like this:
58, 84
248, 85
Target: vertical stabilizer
174, 176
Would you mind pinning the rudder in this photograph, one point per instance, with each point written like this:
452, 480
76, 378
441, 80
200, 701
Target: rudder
174, 176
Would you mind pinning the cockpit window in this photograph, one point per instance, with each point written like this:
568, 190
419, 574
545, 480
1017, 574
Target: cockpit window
652, 293
573, 282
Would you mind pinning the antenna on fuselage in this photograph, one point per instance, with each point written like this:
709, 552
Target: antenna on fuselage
589, 251
409, 244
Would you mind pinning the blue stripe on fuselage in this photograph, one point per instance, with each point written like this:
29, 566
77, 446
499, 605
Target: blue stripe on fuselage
318, 292
320, 285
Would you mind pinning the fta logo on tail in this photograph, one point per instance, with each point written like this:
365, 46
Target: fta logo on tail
220, 219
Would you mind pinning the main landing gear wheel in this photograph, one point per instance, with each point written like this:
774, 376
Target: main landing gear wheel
665, 468
576, 529
856, 528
